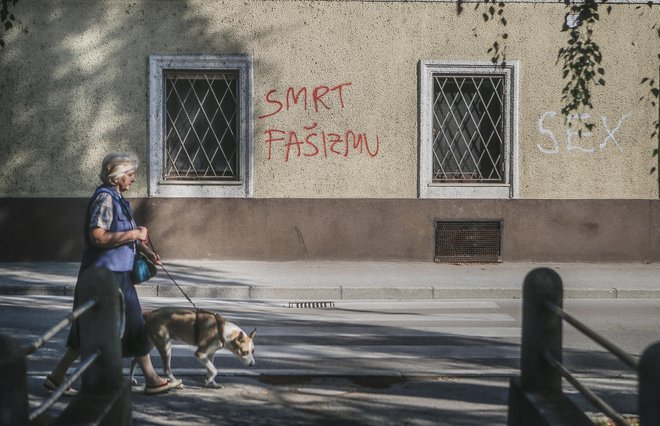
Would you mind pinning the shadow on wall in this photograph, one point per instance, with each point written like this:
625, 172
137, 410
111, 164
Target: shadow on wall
73, 88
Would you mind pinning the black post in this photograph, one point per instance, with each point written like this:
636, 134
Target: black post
539, 385
99, 330
104, 398
14, 405
649, 386
541, 331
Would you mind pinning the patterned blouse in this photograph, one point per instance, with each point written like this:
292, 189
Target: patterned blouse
101, 212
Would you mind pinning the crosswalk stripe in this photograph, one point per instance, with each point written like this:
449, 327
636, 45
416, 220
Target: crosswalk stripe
369, 318
296, 351
251, 306
355, 338
286, 372
369, 333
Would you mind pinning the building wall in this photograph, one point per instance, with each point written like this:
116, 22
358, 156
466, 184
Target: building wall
344, 229
75, 86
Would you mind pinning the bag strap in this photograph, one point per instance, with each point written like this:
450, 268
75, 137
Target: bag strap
125, 209
151, 245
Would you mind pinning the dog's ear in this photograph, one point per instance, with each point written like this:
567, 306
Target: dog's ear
241, 336
252, 333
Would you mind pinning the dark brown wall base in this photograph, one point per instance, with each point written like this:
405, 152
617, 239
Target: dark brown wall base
48, 229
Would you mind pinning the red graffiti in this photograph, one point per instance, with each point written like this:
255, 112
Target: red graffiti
312, 141
319, 143
320, 98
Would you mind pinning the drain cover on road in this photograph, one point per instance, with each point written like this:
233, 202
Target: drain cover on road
312, 305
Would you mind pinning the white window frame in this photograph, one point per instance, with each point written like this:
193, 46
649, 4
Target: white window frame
429, 189
158, 186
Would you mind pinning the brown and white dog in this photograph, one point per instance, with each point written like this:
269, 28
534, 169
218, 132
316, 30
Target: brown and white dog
208, 331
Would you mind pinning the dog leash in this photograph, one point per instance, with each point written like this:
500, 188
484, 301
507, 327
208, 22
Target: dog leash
197, 310
151, 245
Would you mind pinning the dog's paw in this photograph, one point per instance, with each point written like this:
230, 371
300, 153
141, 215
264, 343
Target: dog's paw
134, 382
213, 385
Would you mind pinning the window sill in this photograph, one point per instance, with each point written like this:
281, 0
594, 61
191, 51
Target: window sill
199, 190
440, 190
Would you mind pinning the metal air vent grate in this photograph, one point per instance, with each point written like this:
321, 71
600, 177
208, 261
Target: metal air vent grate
463, 242
312, 305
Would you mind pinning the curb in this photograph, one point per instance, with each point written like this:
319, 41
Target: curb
330, 293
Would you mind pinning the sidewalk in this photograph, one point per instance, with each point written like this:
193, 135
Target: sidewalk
344, 280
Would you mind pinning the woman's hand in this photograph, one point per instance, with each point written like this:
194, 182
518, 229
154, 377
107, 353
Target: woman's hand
152, 255
143, 234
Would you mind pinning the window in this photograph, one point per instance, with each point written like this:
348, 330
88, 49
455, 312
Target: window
200, 126
468, 142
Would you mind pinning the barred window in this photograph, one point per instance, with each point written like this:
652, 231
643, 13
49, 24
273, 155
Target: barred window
468, 129
467, 132
200, 126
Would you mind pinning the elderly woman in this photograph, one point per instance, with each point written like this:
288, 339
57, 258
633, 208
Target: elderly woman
111, 239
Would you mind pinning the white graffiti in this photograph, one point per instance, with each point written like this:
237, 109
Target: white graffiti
548, 133
573, 136
610, 133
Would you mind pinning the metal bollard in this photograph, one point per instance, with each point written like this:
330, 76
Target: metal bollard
13, 386
99, 331
536, 398
649, 386
104, 397
541, 331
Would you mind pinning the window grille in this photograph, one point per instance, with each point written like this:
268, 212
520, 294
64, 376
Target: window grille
468, 128
201, 126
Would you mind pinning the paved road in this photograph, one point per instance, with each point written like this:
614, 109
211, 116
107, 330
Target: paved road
426, 338
429, 362
376, 338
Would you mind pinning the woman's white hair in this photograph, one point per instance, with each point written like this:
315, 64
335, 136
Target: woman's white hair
117, 164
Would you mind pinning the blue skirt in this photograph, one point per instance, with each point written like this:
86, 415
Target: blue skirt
134, 342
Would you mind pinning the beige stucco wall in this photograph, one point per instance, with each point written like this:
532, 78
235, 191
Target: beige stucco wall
75, 86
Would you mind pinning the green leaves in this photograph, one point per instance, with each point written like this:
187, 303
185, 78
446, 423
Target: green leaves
7, 19
652, 97
495, 13
581, 58
459, 7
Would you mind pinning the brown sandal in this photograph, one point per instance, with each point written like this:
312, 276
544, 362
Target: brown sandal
51, 385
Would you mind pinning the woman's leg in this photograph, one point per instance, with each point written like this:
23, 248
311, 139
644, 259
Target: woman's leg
135, 341
59, 372
150, 376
